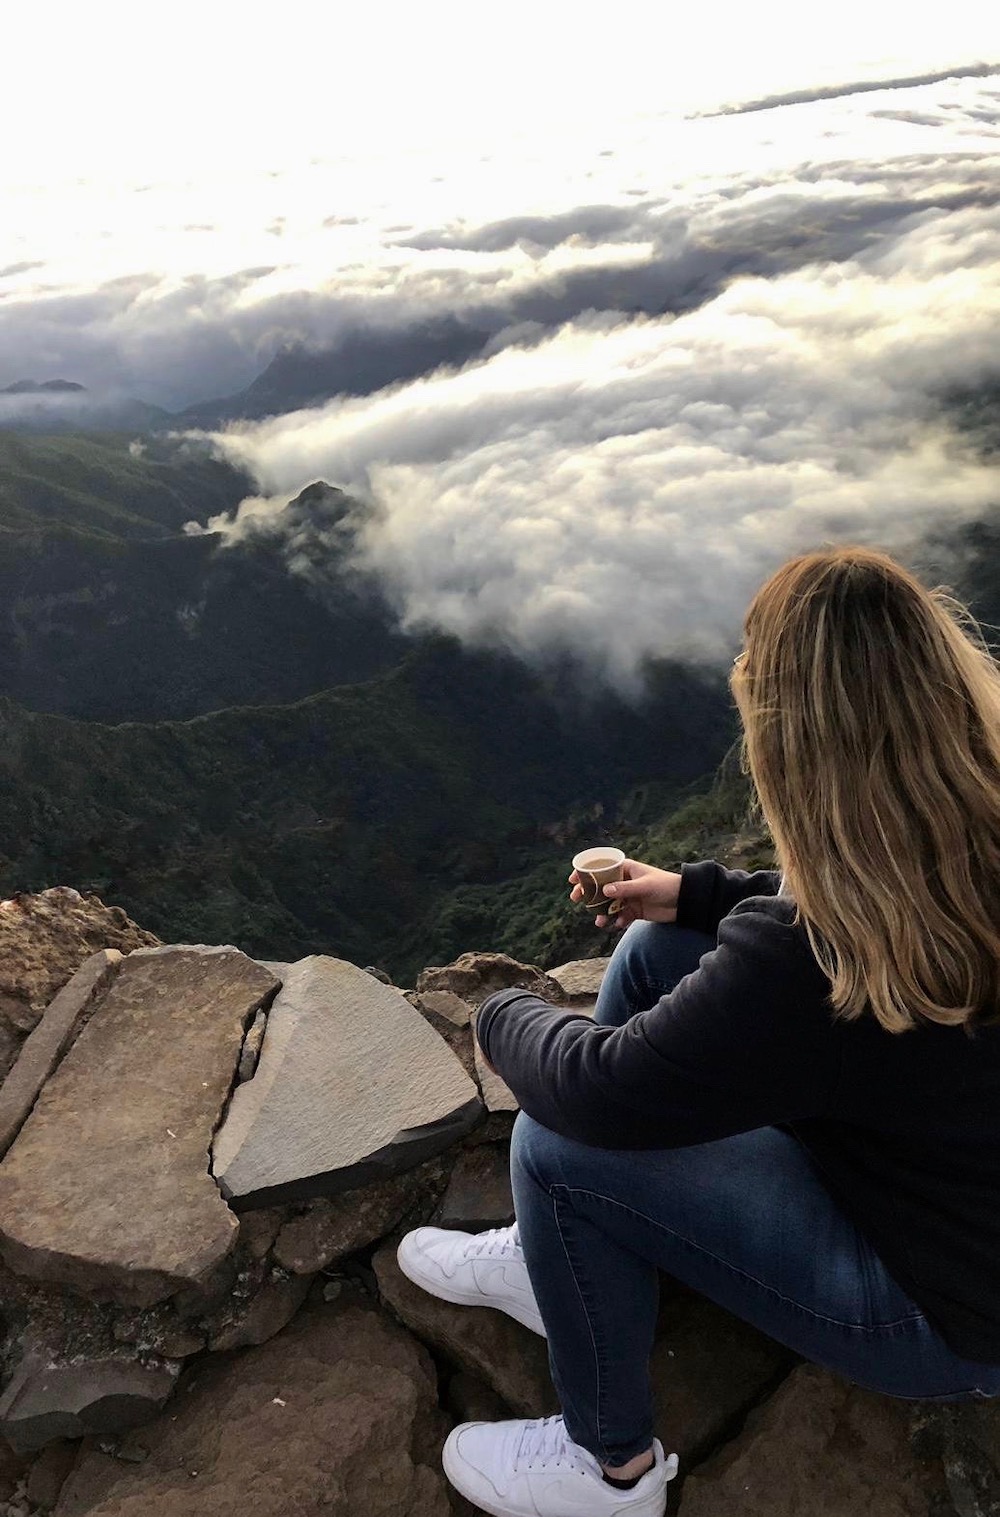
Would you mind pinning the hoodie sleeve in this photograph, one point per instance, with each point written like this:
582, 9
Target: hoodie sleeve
745, 1041
709, 892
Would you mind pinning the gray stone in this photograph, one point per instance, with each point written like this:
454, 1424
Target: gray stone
335, 1417
580, 979
478, 1194
106, 1189
818, 1448
497, 1095
266, 1314
337, 1225
251, 1047
46, 1045
47, 1399
351, 1085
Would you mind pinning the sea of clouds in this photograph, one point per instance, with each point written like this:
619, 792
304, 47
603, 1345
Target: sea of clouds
702, 349
761, 362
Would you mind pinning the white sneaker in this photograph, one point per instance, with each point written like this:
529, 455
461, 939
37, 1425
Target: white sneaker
473, 1269
533, 1469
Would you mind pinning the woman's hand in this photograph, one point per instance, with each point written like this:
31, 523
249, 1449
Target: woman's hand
647, 894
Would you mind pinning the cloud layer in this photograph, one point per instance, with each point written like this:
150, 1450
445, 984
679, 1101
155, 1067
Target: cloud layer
620, 484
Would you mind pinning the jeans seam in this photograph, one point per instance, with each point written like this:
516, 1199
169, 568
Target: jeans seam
743, 1274
599, 1388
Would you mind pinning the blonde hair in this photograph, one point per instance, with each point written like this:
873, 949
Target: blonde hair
871, 719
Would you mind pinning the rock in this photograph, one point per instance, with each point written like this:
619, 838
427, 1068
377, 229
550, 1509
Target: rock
48, 1399
818, 1448
706, 1369
471, 1400
962, 1441
266, 1314
49, 1472
159, 1331
352, 1085
497, 1095
511, 1360
474, 976
458, 1038
44, 1047
12, 1469
580, 980
478, 1194
335, 1417
251, 1047
446, 1004
259, 1229
43, 941
106, 1189
339, 1225
378, 974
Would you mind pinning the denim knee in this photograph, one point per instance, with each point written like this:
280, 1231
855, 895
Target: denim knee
536, 1151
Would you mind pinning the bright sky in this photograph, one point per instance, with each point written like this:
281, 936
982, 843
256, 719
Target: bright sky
112, 89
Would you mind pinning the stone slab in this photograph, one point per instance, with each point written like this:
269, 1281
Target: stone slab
43, 1048
818, 1448
497, 1094
49, 1399
351, 1085
258, 1320
581, 979
106, 1190
335, 1417
478, 1194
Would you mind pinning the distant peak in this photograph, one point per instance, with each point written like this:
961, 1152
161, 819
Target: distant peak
42, 387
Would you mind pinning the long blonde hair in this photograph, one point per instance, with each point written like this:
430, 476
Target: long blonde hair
871, 719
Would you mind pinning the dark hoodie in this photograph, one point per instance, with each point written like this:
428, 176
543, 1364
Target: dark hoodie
904, 1128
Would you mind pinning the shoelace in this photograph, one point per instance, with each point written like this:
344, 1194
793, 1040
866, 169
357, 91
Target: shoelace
498, 1243
543, 1442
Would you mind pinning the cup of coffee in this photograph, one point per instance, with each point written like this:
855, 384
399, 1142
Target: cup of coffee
596, 868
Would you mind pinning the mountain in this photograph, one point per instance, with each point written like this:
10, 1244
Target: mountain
61, 405
338, 823
363, 361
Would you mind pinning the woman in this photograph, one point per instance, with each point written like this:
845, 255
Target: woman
789, 1097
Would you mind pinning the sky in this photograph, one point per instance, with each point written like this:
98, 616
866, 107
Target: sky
709, 334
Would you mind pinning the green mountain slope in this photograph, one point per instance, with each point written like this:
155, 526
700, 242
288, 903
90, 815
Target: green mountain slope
340, 822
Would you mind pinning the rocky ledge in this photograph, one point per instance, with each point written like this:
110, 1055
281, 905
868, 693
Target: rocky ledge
206, 1165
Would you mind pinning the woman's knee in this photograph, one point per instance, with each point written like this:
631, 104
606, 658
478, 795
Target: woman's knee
538, 1153
649, 960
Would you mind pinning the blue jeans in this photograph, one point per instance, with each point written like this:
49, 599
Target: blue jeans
745, 1221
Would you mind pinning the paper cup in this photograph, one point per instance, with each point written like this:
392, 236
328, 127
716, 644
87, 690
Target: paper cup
598, 867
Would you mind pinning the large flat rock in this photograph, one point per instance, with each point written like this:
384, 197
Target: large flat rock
49, 1399
352, 1085
335, 1417
107, 1189
820, 1448
45, 1046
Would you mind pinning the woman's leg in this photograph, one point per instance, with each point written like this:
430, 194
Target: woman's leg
650, 958
745, 1221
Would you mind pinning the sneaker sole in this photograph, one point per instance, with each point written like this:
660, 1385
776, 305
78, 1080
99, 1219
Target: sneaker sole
410, 1269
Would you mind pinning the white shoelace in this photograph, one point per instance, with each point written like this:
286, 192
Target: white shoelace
498, 1243
545, 1442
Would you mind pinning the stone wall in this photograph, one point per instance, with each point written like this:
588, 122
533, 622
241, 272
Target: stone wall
208, 1163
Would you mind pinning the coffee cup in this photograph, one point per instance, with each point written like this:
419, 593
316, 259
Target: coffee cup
597, 867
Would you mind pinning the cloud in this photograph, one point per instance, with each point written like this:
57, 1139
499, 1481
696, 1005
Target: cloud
24, 267
619, 488
857, 87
